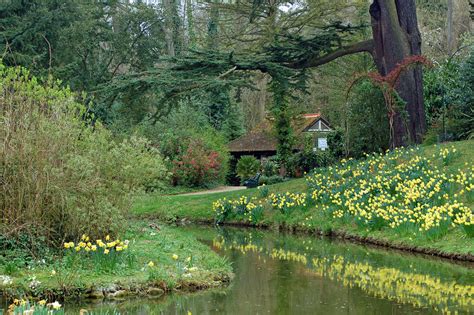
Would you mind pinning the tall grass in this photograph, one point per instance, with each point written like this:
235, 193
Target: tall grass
60, 174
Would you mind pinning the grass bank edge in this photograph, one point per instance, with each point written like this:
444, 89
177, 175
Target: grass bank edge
199, 209
165, 247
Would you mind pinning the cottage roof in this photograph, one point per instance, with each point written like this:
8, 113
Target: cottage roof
262, 138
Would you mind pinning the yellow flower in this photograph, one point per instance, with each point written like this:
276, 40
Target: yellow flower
151, 264
106, 251
175, 257
77, 248
119, 248
94, 248
42, 302
107, 238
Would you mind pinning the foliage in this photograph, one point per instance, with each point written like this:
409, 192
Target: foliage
247, 167
449, 102
198, 166
274, 179
77, 43
60, 175
366, 127
270, 167
305, 161
388, 83
197, 154
336, 143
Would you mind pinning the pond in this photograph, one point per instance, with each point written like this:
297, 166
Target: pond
290, 274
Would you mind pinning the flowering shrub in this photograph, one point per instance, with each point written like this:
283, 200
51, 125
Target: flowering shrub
198, 166
245, 208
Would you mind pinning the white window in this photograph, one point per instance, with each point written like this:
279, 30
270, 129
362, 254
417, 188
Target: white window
322, 143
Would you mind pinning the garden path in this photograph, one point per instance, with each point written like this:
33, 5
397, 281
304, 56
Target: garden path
215, 190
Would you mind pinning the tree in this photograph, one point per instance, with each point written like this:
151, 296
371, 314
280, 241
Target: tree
396, 37
292, 49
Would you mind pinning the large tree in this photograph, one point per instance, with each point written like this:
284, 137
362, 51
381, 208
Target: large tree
300, 40
395, 36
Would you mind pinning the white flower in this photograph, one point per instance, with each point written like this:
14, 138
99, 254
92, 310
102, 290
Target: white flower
55, 305
6, 280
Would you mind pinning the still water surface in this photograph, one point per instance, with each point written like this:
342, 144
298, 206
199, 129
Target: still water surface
288, 274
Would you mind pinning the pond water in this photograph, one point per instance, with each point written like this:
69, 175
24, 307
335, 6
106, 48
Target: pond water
287, 274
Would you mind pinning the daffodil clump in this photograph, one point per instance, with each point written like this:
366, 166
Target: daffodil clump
42, 307
246, 208
101, 254
401, 190
288, 201
105, 247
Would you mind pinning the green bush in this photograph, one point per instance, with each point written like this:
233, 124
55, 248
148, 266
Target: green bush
247, 167
305, 161
271, 167
62, 174
449, 101
270, 180
197, 154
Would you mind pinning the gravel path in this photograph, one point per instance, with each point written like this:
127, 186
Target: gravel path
215, 190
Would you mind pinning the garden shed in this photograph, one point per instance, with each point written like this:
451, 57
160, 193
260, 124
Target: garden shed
261, 141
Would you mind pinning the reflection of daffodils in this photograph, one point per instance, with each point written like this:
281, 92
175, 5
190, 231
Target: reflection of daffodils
420, 290
417, 289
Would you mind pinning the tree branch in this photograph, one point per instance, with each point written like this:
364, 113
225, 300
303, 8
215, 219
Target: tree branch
315, 61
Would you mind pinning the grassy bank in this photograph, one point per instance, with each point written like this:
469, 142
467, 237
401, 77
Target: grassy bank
440, 177
154, 260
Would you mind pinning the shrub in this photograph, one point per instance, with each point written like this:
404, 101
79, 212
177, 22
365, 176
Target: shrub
182, 137
60, 175
270, 180
271, 167
199, 166
305, 161
247, 167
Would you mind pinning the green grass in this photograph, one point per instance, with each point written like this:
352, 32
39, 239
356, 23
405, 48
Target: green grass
147, 243
199, 208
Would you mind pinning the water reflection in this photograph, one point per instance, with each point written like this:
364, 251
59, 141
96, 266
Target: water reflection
425, 284
287, 274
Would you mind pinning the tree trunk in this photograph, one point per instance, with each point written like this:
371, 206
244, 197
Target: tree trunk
396, 36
